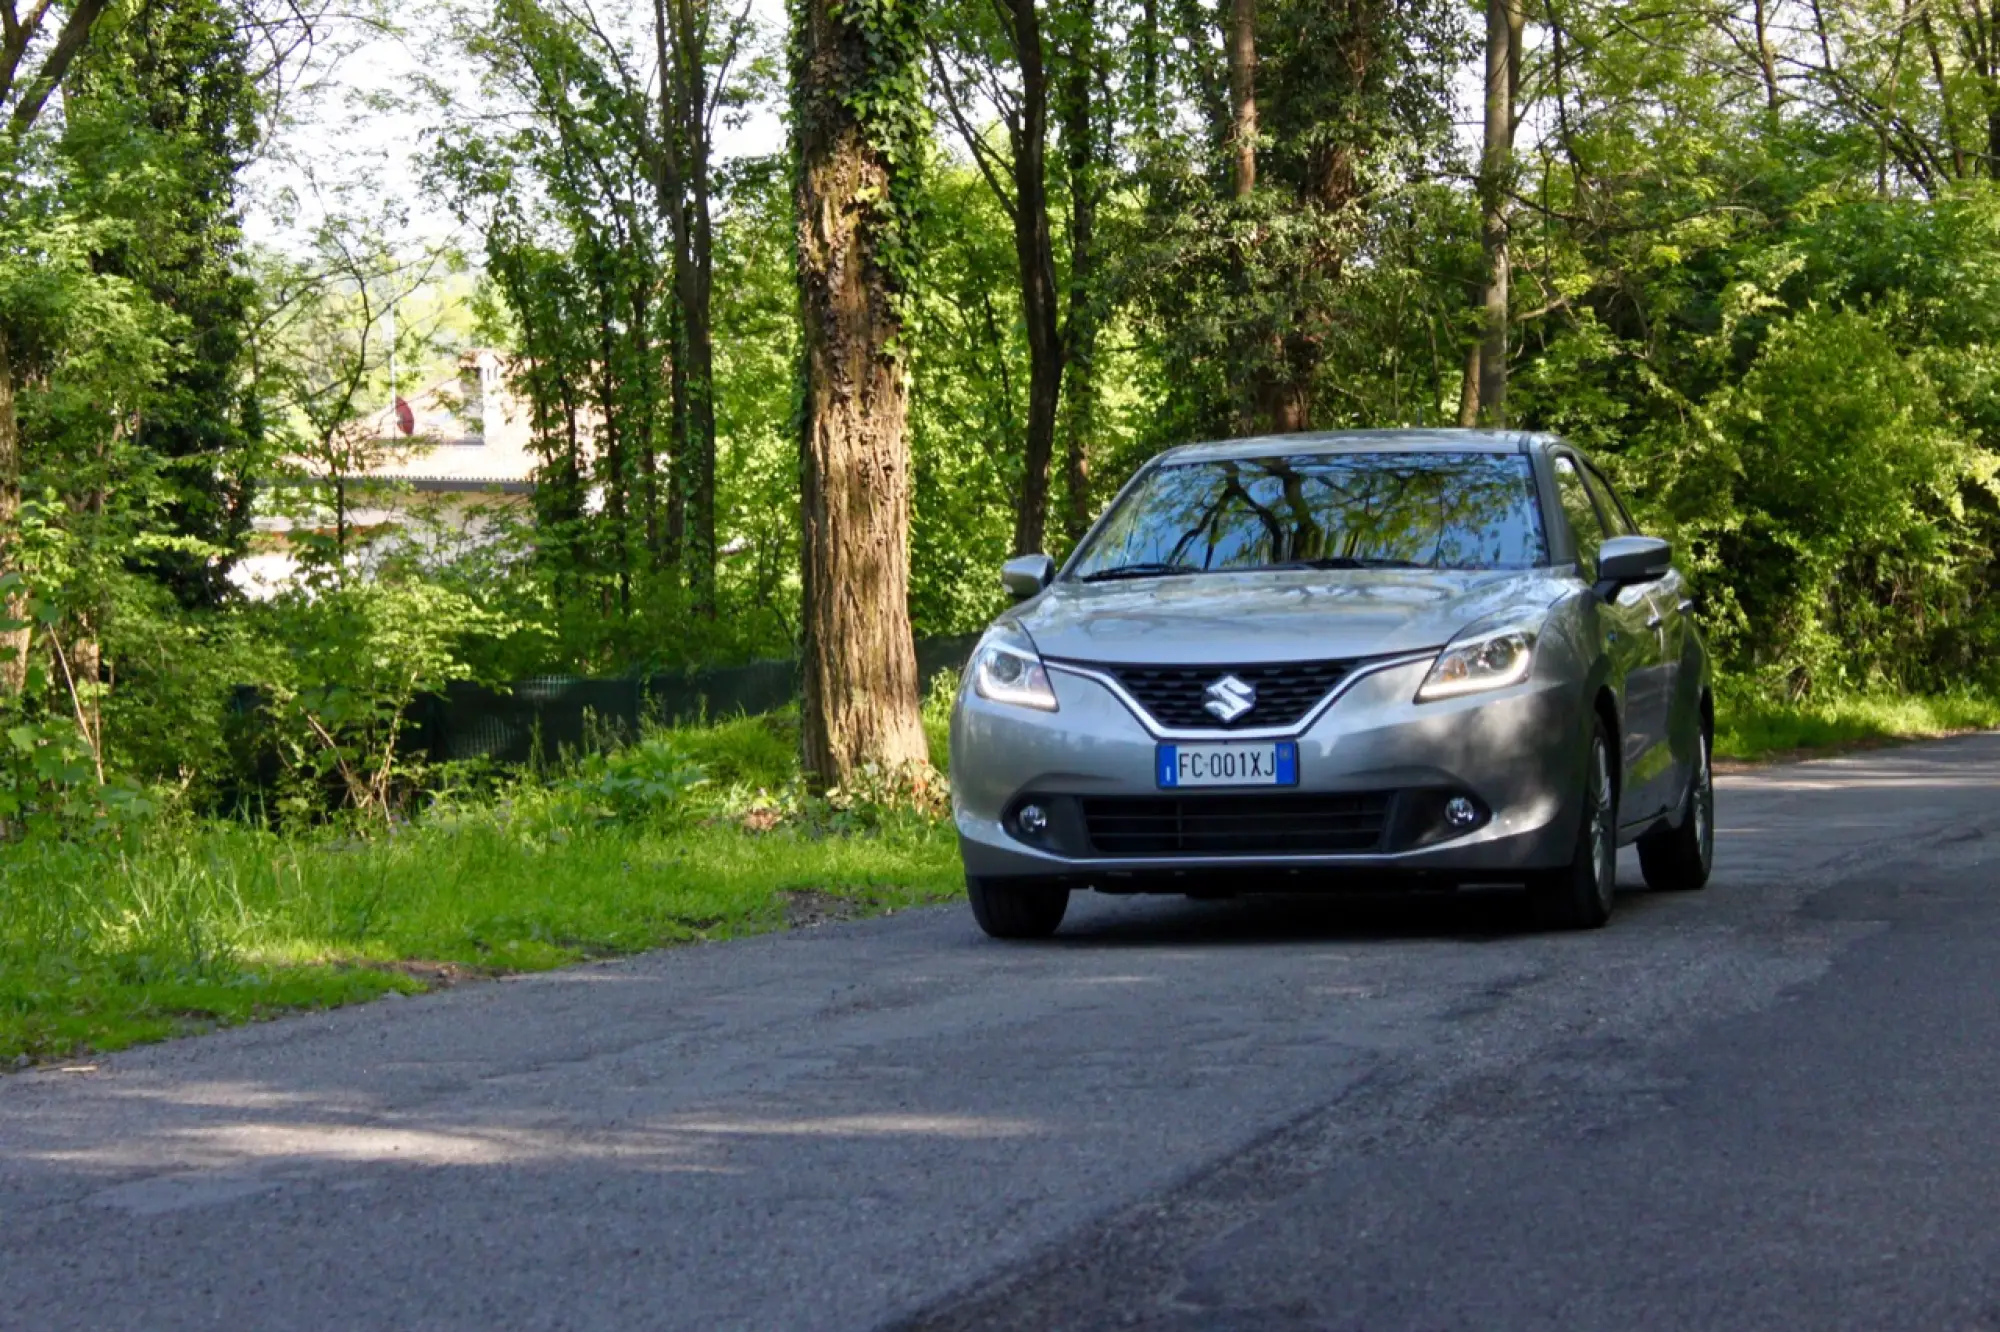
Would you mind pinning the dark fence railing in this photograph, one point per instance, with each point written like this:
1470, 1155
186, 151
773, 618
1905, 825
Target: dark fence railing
546, 715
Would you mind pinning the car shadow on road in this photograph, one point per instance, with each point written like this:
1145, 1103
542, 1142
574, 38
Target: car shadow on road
1472, 915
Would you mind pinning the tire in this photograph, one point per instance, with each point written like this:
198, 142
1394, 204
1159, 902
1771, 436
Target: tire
1579, 896
1678, 860
1016, 909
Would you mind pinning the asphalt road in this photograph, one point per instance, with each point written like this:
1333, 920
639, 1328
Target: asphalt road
1772, 1104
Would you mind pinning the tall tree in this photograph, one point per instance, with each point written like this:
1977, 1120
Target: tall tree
22, 101
858, 123
179, 75
566, 190
1241, 43
1319, 89
694, 62
1485, 395
1084, 116
1036, 66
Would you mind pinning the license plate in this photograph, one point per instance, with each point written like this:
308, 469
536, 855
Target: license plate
1228, 765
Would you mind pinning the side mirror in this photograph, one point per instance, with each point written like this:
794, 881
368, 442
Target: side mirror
1025, 576
1623, 561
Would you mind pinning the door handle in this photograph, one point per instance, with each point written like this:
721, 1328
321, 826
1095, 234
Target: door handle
1657, 620
1687, 607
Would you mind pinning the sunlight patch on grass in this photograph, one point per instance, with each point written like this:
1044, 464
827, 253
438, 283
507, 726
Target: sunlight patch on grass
1750, 728
197, 928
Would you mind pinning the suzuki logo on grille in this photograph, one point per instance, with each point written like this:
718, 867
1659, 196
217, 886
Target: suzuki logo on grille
1229, 698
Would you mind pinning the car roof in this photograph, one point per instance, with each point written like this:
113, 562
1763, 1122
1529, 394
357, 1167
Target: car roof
1361, 441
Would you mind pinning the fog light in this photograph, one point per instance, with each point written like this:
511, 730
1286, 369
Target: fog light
1034, 820
1460, 812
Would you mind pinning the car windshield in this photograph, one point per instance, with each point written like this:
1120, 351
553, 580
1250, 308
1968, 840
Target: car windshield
1323, 511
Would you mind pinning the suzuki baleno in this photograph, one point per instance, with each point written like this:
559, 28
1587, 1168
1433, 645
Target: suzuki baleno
1277, 665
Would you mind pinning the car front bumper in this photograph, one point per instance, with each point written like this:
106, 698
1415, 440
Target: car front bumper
1518, 753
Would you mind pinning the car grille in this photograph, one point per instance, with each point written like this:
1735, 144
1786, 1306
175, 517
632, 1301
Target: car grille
1176, 696
1236, 824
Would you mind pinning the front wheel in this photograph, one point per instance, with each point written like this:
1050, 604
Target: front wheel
1678, 860
1016, 908
1579, 895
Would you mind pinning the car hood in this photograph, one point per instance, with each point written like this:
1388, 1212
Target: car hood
1245, 618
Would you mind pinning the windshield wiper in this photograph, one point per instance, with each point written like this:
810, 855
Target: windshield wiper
1348, 562
1145, 570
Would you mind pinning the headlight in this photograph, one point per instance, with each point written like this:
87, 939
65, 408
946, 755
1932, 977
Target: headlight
1007, 669
1485, 661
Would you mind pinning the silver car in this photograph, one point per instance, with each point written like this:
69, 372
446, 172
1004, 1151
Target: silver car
1338, 660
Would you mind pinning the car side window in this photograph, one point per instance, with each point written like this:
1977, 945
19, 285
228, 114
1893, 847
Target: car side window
1608, 503
1581, 511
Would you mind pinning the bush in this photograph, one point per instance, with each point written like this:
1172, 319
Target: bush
1826, 500
357, 655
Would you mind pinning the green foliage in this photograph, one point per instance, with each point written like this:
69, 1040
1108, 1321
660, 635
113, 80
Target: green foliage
162, 116
1831, 472
964, 408
646, 782
358, 656
1768, 299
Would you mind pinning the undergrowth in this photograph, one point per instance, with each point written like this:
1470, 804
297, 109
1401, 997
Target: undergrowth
688, 834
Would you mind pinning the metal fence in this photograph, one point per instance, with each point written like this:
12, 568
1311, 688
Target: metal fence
545, 715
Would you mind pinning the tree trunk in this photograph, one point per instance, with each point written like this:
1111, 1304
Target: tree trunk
1243, 96
1767, 62
677, 431
1034, 254
1081, 152
1468, 389
14, 602
1948, 113
673, 211
1264, 405
701, 394
860, 668
614, 466
647, 440
683, 41
1503, 65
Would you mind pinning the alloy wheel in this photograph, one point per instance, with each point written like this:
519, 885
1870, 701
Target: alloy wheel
1603, 816
1704, 805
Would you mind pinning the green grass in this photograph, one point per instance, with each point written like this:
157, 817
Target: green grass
99, 950
182, 928
1752, 728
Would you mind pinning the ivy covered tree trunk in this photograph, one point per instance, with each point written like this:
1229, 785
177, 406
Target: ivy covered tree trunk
13, 605
857, 101
1081, 150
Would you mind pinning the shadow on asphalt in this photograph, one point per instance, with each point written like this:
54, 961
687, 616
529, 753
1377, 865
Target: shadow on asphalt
1466, 916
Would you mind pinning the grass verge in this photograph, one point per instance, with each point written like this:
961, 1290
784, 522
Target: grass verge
181, 928
100, 950
1752, 730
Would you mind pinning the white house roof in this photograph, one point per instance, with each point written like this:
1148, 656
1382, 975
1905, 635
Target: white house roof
470, 432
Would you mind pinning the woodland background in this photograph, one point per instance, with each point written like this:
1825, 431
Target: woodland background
1747, 254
